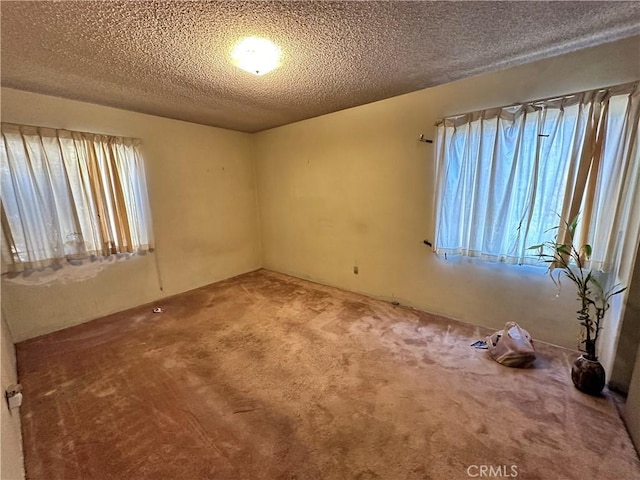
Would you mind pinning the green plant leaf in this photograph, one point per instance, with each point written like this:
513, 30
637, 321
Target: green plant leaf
573, 225
598, 285
588, 278
566, 258
616, 292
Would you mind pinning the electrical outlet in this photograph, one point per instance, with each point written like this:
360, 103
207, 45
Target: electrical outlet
13, 394
13, 390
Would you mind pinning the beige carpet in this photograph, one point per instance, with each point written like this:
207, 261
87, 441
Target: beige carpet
265, 376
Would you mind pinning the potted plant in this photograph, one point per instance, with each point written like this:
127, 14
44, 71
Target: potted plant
564, 258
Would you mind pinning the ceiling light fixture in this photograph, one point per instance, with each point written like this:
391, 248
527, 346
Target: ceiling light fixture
256, 55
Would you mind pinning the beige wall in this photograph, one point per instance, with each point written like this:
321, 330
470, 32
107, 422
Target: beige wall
11, 460
632, 409
203, 199
356, 188
628, 338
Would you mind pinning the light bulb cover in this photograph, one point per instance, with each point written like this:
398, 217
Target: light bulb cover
256, 55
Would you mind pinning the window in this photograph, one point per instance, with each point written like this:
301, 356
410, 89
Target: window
70, 195
506, 176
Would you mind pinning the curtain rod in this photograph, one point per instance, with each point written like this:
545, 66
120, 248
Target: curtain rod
620, 86
69, 130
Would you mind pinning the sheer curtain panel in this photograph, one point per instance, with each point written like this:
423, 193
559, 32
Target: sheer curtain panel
70, 195
506, 176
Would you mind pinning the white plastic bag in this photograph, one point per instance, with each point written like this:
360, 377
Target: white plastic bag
512, 346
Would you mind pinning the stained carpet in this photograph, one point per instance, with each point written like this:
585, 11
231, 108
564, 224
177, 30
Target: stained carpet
266, 376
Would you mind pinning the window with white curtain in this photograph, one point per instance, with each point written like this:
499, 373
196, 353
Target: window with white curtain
506, 176
69, 196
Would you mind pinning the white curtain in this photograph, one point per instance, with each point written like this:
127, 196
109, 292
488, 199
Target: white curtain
506, 176
70, 195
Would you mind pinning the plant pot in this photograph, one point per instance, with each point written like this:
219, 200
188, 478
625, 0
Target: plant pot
588, 375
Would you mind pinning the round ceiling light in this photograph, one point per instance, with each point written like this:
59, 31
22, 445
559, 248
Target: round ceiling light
256, 55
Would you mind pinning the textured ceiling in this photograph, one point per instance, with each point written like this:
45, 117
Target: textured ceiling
172, 58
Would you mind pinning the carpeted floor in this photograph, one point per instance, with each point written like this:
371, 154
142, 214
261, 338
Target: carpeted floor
265, 376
